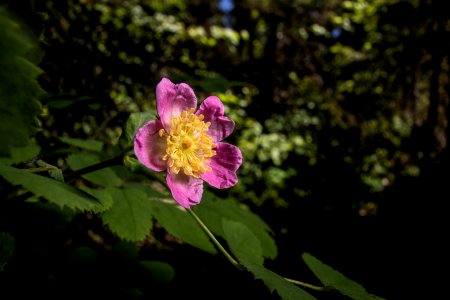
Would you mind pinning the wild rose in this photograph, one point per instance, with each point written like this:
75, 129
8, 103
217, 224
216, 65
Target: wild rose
187, 143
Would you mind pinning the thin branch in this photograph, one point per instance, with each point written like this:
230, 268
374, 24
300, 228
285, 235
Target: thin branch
118, 160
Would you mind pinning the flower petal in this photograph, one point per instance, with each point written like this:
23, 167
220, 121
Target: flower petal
224, 164
149, 147
172, 99
186, 190
212, 109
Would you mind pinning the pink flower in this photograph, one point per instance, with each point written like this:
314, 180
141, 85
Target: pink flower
187, 143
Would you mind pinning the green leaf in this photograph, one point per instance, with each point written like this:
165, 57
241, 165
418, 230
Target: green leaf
54, 172
21, 154
134, 122
213, 211
274, 282
149, 190
57, 192
244, 243
6, 248
247, 249
336, 280
91, 145
181, 225
130, 216
156, 271
19, 89
102, 195
103, 177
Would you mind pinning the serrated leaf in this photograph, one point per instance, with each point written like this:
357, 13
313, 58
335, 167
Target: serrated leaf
274, 282
245, 246
57, 192
334, 279
213, 211
19, 89
6, 248
135, 121
103, 177
91, 145
181, 225
130, 216
102, 195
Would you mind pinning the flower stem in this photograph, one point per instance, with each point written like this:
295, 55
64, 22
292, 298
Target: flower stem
219, 246
235, 263
306, 285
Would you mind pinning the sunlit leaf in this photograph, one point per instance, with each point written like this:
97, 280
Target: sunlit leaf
130, 216
213, 211
243, 242
335, 279
181, 225
247, 249
6, 248
57, 192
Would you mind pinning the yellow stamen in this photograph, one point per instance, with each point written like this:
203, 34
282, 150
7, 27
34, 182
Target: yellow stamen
189, 147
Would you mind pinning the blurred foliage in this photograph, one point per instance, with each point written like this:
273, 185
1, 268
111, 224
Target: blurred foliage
18, 75
339, 106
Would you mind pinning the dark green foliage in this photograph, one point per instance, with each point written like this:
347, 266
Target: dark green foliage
341, 111
6, 249
59, 193
245, 245
19, 90
334, 279
214, 211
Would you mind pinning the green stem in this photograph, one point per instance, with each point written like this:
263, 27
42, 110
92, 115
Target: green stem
235, 263
306, 285
118, 160
219, 246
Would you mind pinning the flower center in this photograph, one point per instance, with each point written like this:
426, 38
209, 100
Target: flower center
188, 146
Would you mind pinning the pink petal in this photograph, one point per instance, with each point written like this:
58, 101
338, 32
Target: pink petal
149, 147
186, 190
172, 99
224, 164
212, 109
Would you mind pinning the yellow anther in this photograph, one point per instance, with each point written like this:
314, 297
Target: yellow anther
189, 147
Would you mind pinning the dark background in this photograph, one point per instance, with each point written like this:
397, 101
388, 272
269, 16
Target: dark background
342, 113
